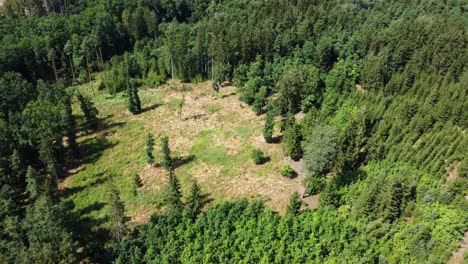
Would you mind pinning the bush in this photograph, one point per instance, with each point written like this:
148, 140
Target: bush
258, 156
288, 172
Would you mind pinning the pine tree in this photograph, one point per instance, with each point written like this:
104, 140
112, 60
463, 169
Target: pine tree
295, 204
149, 149
117, 212
16, 167
131, 101
90, 112
396, 198
196, 200
292, 140
32, 183
173, 192
136, 184
136, 97
269, 127
167, 161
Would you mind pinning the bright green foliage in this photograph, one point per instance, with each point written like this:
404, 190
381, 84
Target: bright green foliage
196, 200
269, 127
258, 156
295, 203
292, 137
259, 101
173, 195
149, 149
166, 152
288, 172
90, 112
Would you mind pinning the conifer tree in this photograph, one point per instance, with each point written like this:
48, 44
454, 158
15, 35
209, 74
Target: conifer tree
117, 212
295, 204
396, 198
149, 149
167, 161
269, 127
173, 192
292, 140
136, 97
136, 184
196, 200
131, 101
89, 110
32, 183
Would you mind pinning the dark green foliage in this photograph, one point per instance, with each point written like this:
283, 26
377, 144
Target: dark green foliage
269, 127
90, 112
117, 212
134, 103
137, 183
292, 137
288, 172
258, 156
32, 183
166, 152
295, 204
196, 200
173, 195
149, 149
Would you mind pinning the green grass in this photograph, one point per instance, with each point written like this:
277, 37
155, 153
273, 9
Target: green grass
215, 156
212, 108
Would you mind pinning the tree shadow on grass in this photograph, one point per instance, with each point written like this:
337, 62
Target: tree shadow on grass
180, 161
91, 149
97, 180
276, 140
149, 108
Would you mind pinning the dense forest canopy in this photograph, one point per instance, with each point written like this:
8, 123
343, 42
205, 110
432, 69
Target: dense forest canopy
381, 85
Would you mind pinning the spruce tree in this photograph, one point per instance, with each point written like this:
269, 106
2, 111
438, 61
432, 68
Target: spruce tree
269, 127
173, 192
131, 101
396, 194
136, 97
117, 212
292, 141
90, 112
32, 183
167, 161
136, 184
149, 149
196, 200
295, 204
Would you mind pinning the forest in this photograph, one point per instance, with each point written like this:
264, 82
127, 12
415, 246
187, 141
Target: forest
199, 131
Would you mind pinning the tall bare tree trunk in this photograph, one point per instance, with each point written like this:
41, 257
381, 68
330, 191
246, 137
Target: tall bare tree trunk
172, 68
55, 69
72, 69
89, 75
46, 6
306, 187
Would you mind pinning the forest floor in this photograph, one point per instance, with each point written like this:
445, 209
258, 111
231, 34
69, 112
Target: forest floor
211, 142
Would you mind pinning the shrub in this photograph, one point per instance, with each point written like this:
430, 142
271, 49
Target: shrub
288, 172
258, 156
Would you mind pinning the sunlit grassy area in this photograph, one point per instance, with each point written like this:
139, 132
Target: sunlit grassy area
211, 141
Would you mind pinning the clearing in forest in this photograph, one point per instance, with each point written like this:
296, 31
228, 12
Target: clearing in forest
211, 140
